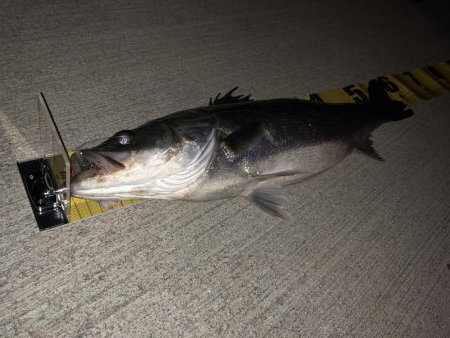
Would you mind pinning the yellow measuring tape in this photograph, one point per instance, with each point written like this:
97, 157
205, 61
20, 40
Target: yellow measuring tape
421, 83
81, 208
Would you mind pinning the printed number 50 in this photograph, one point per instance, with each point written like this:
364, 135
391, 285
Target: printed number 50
356, 94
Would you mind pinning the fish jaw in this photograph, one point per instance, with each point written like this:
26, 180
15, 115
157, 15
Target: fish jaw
93, 184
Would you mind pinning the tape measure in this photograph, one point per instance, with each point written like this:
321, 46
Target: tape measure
421, 83
81, 208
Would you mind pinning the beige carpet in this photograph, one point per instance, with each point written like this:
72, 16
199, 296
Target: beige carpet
368, 255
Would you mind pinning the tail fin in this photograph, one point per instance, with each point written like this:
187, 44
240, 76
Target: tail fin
383, 105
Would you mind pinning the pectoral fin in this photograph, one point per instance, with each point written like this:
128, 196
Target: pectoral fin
270, 199
244, 138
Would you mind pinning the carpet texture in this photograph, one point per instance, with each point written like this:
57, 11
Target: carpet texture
369, 253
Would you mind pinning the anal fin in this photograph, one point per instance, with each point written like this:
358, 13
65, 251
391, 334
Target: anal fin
367, 149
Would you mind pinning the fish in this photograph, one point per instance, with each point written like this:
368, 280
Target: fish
233, 146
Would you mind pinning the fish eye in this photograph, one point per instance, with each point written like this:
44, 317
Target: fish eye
123, 137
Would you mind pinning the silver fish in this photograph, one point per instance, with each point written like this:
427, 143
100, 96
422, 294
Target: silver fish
233, 147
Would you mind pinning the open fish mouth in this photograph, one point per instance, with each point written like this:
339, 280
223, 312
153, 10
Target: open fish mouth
93, 158
99, 161
90, 163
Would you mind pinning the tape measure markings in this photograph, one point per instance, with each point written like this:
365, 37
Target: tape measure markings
438, 76
398, 91
314, 97
409, 87
94, 207
74, 212
429, 81
82, 207
411, 80
126, 203
444, 69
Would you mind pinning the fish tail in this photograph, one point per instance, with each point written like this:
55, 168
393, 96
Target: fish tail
383, 106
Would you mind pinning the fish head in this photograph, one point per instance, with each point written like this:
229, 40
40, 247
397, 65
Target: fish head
111, 167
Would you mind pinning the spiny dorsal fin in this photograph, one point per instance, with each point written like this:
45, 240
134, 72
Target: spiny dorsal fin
367, 148
229, 98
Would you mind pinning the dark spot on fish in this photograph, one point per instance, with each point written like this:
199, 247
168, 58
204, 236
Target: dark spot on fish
448, 266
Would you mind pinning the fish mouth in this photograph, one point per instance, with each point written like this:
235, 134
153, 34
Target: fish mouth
95, 163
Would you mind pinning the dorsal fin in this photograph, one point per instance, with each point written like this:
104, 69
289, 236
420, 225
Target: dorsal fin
229, 98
